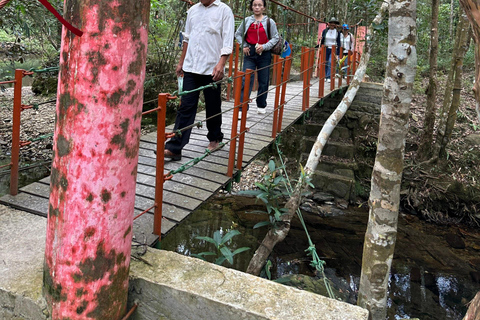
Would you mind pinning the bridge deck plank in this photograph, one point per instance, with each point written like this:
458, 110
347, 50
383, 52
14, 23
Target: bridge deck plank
187, 190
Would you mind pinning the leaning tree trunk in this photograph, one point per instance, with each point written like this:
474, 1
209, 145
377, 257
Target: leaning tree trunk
273, 237
425, 149
473, 312
387, 172
457, 88
461, 36
472, 9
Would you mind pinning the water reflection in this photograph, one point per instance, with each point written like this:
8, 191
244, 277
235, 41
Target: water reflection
419, 286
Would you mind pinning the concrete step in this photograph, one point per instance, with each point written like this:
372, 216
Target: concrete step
338, 185
340, 132
333, 148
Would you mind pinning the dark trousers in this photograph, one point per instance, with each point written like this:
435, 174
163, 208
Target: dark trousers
188, 109
261, 64
328, 57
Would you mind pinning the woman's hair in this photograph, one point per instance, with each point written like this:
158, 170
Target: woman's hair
251, 3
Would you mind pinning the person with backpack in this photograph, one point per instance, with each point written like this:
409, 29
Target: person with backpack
330, 37
346, 41
257, 34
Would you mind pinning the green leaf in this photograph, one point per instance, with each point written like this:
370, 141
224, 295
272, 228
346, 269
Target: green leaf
220, 261
240, 250
229, 235
268, 266
217, 237
227, 254
261, 224
271, 166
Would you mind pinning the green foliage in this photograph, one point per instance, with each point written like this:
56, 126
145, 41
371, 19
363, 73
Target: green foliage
222, 252
271, 194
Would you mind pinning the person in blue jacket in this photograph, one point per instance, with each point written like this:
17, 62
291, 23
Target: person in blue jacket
330, 37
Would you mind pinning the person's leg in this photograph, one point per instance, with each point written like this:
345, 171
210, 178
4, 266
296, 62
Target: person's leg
213, 108
328, 59
185, 114
263, 74
249, 62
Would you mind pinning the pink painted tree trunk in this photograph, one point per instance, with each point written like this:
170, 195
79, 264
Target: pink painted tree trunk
97, 133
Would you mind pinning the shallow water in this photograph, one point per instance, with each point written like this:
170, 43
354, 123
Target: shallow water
429, 279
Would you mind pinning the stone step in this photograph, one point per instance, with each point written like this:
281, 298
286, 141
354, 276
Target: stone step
340, 132
326, 164
338, 185
333, 148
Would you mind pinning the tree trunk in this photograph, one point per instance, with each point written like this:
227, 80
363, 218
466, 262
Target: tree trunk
94, 169
473, 312
457, 88
272, 238
425, 149
461, 36
387, 172
472, 9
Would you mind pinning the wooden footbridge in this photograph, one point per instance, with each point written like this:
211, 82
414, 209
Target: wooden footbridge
186, 191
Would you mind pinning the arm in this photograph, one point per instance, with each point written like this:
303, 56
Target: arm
240, 36
179, 69
227, 44
273, 32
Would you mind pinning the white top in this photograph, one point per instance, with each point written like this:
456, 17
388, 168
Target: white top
209, 33
347, 42
331, 38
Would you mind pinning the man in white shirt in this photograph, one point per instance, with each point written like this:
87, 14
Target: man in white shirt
207, 44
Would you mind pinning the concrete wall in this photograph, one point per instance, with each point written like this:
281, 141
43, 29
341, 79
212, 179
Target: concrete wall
175, 287
172, 287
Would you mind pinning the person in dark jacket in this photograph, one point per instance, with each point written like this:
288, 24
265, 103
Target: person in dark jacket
330, 37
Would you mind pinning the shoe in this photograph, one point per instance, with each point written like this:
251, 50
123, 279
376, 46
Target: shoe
261, 110
213, 146
328, 79
167, 154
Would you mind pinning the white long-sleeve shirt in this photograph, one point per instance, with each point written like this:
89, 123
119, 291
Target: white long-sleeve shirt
347, 42
209, 32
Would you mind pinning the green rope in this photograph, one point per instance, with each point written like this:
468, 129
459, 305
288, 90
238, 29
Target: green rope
211, 85
36, 105
51, 69
317, 263
46, 136
194, 161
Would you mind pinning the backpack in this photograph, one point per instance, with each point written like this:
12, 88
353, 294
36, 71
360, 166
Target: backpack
278, 48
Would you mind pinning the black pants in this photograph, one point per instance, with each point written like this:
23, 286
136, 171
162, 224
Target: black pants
188, 109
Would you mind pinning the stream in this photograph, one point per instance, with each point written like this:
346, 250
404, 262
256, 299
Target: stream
434, 272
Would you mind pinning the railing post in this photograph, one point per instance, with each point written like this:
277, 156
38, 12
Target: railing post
354, 61
160, 164
278, 83
274, 70
311, 55
349, 69
230, 72
286, 76
237, 53
243, 121
17, 111
304, 73
321, 73
237, 90
333, 68
340, 71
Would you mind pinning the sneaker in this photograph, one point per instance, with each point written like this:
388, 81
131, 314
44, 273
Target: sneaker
261, 110
167, 154
328, 79
240, 115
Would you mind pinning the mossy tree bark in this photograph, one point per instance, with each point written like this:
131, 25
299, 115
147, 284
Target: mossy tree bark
425, 149
384, 199
453, 87
472, 9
